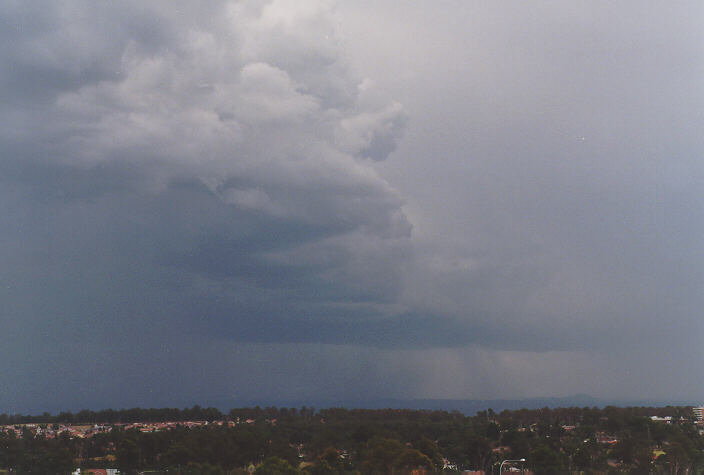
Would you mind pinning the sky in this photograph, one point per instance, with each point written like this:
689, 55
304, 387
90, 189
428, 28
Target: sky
308, 200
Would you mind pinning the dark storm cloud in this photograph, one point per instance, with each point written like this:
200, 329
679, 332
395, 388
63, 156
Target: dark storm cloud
179, 169
213, 193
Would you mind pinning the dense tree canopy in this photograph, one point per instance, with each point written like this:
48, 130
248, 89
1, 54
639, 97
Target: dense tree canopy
338, 441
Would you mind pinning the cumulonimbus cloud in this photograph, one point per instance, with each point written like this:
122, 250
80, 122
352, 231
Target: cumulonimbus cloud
245, 111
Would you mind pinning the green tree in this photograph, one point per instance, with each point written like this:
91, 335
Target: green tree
493, 432
430, 449
545, 460
275, 466
381, 455
409, 459
477, 452
128, 455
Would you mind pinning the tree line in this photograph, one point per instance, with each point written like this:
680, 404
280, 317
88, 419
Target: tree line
112, 416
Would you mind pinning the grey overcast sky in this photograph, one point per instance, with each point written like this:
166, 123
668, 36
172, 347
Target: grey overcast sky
297, 199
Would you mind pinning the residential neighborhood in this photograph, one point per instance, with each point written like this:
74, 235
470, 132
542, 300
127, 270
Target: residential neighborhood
340, 441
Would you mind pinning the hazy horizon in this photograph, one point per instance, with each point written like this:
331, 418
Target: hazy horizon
468, 407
